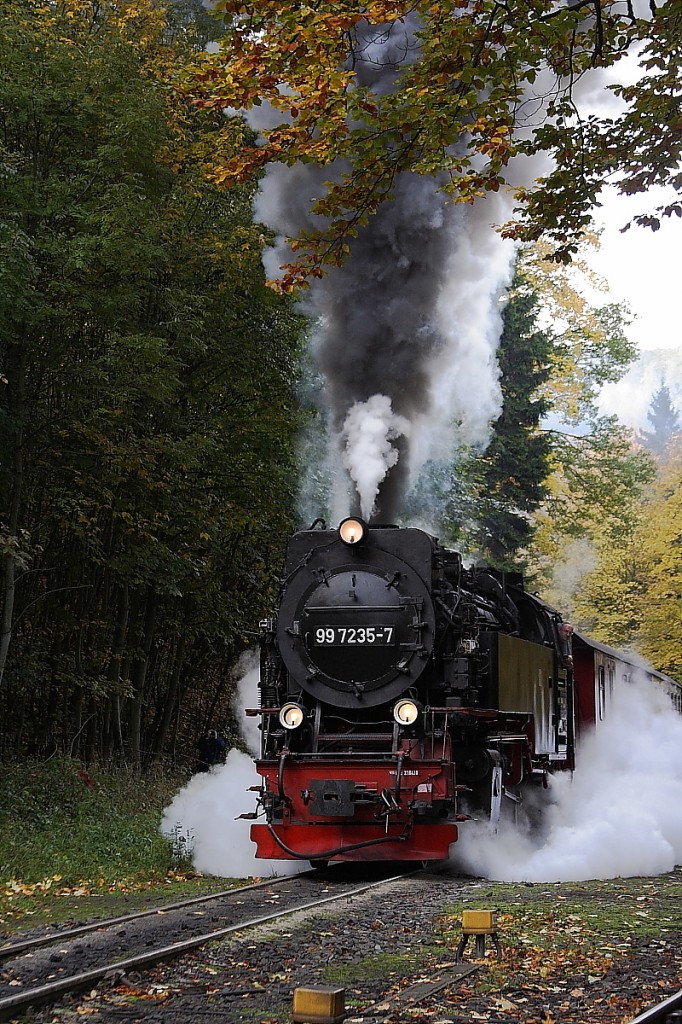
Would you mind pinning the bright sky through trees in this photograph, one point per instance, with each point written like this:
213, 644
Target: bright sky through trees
642, 268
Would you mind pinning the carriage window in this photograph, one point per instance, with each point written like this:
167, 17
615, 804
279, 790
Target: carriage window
601, 682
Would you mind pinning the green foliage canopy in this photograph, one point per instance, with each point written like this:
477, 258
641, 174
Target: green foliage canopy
146, 406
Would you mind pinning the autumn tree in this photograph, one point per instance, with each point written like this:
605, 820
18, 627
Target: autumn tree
591, 345
631, 598
477, 84
596, 475
608, 603
660, 538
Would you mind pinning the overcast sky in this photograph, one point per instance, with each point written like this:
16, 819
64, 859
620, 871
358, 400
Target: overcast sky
642, 268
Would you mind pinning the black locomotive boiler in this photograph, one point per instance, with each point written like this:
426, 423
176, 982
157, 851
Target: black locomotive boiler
402, 693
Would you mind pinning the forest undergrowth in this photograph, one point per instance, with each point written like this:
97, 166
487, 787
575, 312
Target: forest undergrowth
68, 834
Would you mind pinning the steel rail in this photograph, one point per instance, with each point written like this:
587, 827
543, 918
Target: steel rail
43, 994
16, 948
668, 1011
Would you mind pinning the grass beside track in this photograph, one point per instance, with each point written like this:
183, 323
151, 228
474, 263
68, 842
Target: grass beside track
76, 845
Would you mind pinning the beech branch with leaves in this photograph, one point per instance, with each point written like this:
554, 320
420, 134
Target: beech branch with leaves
481, 83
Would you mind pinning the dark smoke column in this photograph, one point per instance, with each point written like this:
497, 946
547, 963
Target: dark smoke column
380, 333
389, 331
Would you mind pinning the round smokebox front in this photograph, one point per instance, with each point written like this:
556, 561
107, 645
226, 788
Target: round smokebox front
359, 635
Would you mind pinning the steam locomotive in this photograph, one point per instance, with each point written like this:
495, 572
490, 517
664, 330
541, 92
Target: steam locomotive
402, 693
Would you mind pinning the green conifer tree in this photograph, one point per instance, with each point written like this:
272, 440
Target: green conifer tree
664, 420
512, 472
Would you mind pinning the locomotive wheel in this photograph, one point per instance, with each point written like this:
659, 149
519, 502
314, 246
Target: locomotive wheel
319, 865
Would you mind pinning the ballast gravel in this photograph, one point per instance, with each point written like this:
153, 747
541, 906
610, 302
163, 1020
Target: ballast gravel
392, 951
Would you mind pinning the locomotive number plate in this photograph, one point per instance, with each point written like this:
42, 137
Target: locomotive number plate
347, 636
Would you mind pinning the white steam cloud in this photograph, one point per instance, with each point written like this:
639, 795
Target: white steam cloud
205, 813
368, 431
618, 817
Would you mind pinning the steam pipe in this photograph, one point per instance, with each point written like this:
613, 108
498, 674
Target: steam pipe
280, 777
398, 774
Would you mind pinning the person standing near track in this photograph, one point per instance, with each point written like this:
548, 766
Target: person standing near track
211, 750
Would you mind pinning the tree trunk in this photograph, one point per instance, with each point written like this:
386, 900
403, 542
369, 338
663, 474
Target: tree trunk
8, 595
139, 676
115, 671
170, 700
91, 735
16, 406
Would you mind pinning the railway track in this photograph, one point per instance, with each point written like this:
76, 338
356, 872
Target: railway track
386, 943
667, 1012
9, 950
41, 970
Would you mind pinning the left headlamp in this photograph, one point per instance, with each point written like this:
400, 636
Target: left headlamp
291, 716
406, 711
